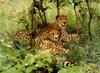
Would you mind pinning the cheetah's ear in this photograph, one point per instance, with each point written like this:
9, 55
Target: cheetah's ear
61, 16
57, 16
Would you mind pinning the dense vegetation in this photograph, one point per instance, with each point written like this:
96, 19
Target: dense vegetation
28, 15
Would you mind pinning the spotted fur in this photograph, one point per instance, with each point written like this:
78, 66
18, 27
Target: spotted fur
53, 47
23, 36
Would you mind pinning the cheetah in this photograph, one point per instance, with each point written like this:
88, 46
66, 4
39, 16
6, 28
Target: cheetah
49, 41
60, 23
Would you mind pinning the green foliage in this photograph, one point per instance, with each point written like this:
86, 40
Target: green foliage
63, 70
13, 70
74, 69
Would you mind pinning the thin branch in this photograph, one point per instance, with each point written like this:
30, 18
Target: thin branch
45, 21
41, 16
45, 17
90, 18
57, 1
78, 18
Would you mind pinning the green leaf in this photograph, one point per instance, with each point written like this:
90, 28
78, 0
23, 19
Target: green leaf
74, 69
50, 69
47, 59
40, 64
63, 70
31, 60
11, 70
19, 66
29, 69
2, 67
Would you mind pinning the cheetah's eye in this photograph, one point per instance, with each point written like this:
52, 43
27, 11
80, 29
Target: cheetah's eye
60, 19
53, 33
58, 33
64, 22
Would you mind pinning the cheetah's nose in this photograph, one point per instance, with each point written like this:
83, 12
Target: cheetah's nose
56, 38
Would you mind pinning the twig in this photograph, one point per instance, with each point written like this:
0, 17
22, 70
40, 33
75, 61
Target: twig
77, 17
57, 1
90, 18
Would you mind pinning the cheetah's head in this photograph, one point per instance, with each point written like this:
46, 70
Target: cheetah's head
54, 35
62, 21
